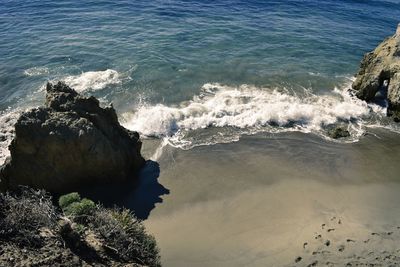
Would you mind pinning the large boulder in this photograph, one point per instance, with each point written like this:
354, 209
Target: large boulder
378, 66
70, 142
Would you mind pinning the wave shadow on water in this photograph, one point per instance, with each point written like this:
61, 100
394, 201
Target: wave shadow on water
139, 195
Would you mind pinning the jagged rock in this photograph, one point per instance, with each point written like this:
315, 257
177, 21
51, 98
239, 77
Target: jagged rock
378, 66
70, 142
338, 131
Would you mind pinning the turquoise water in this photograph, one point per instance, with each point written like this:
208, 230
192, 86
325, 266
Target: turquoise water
150, 57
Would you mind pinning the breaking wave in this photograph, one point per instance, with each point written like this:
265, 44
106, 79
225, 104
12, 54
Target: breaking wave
93, 80
221, 114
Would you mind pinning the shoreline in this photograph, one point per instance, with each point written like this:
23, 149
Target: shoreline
275, 199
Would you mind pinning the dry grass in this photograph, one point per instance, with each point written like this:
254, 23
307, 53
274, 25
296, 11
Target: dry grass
23, 214
121, 233
126, 236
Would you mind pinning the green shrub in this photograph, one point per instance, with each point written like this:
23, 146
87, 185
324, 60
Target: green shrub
66, 200
73, 206
82, 208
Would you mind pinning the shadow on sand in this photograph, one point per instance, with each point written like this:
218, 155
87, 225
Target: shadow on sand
148, 191
140, 196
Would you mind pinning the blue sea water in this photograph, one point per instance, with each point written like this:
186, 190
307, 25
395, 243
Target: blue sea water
150, 58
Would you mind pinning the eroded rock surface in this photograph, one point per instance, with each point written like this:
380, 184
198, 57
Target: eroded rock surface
70, 142
378, 66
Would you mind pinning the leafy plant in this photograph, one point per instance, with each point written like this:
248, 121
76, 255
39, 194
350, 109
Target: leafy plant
73, 206
66, 200
85, 207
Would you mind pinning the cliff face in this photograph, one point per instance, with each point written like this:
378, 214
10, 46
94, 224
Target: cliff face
70, 142
378, 66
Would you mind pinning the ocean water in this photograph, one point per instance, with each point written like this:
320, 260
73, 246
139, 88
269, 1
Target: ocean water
196, 72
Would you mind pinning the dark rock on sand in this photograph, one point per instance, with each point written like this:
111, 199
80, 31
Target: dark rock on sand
337, 132
379, 74
70, 142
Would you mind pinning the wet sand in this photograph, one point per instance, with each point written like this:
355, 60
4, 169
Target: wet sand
272, 200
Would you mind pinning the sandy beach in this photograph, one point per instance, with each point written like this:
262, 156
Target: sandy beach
280, 200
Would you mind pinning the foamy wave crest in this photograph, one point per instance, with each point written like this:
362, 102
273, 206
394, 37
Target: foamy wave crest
93, 80
246, 110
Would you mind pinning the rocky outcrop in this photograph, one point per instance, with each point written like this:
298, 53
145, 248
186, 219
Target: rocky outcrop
380, 71
70, 142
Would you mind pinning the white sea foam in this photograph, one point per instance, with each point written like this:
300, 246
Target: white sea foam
246, 110
36, 71
93, 80
221, 114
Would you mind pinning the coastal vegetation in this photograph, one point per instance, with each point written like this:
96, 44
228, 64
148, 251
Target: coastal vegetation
36, 232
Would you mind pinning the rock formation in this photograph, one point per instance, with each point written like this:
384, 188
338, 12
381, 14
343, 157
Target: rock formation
338, 131
70, 142
378, 66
